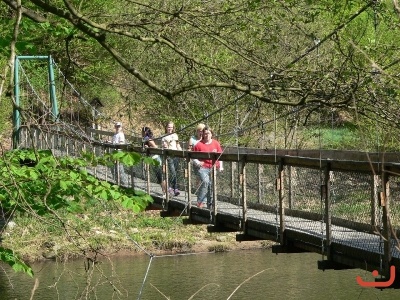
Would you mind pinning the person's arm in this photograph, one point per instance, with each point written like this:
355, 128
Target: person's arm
178, 145
195, 161
152, 144
164, 143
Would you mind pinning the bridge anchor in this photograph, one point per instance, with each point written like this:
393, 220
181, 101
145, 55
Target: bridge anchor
242, 237
332, 265
287, 249
220, 228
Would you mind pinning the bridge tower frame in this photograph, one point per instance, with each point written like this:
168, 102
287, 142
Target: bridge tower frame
17, 103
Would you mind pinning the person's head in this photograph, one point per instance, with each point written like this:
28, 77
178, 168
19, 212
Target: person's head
118, 126
199, 130
169, 127
146, 132
207, 133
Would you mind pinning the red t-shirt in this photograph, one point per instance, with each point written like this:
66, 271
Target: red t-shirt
214, 146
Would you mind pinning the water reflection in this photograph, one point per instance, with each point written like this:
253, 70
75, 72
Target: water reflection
206, 276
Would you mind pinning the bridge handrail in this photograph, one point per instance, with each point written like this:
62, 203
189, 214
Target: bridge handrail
338, 160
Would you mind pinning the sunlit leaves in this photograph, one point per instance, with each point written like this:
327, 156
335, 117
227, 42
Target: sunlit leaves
8, 256
39, 183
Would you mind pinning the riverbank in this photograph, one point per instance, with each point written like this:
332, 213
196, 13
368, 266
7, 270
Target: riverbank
116, 232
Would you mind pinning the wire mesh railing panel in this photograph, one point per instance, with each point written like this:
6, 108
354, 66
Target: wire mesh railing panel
229, 190
302, 200
303, 189
353, 205
180, 168
261, 192
394, 203
228, 182
351, 196
268, 175
252, 183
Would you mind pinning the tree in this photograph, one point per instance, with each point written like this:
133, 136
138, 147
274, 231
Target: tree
39, 184
278, 53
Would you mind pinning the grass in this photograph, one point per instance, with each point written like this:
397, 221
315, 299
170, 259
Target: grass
107, 232
335, 138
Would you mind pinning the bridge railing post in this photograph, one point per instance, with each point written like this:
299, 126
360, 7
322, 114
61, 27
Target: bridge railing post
214, 191
281, 195
166, 176
117, 172
188, 175
325, 196
290, 187
385, 196
259, 186
243, 183
374, 199
233, 168
147, 166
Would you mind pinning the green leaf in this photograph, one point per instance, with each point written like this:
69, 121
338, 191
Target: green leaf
74, 175
8, 256
115, 194
127, 203
64, 185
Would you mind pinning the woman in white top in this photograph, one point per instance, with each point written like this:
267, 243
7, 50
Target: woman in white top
171, 141
119, 136
119, 170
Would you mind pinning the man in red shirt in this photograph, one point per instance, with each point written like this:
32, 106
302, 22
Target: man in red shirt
207, 144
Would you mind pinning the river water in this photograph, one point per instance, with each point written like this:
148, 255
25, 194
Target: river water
245, 274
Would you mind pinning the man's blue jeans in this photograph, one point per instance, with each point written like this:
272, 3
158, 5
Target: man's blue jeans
205, 194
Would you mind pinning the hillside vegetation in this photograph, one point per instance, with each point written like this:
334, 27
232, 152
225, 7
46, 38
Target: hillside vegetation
274, 70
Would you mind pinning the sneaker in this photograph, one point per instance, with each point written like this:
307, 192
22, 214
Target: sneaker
171, 191
177, 192
201, 205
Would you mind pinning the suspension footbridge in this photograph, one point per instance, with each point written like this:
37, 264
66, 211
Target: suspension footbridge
344, 205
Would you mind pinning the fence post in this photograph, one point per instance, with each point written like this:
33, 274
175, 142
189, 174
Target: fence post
117, 174
385, 197
148, 178
281, 195
374, 199
132, 177
165, 170
233, 167
259, 173
242, 181
325, 195
214, 191
290, 190
108, 169
188, 175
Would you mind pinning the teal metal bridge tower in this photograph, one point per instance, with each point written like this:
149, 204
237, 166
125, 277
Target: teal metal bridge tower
17, 93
